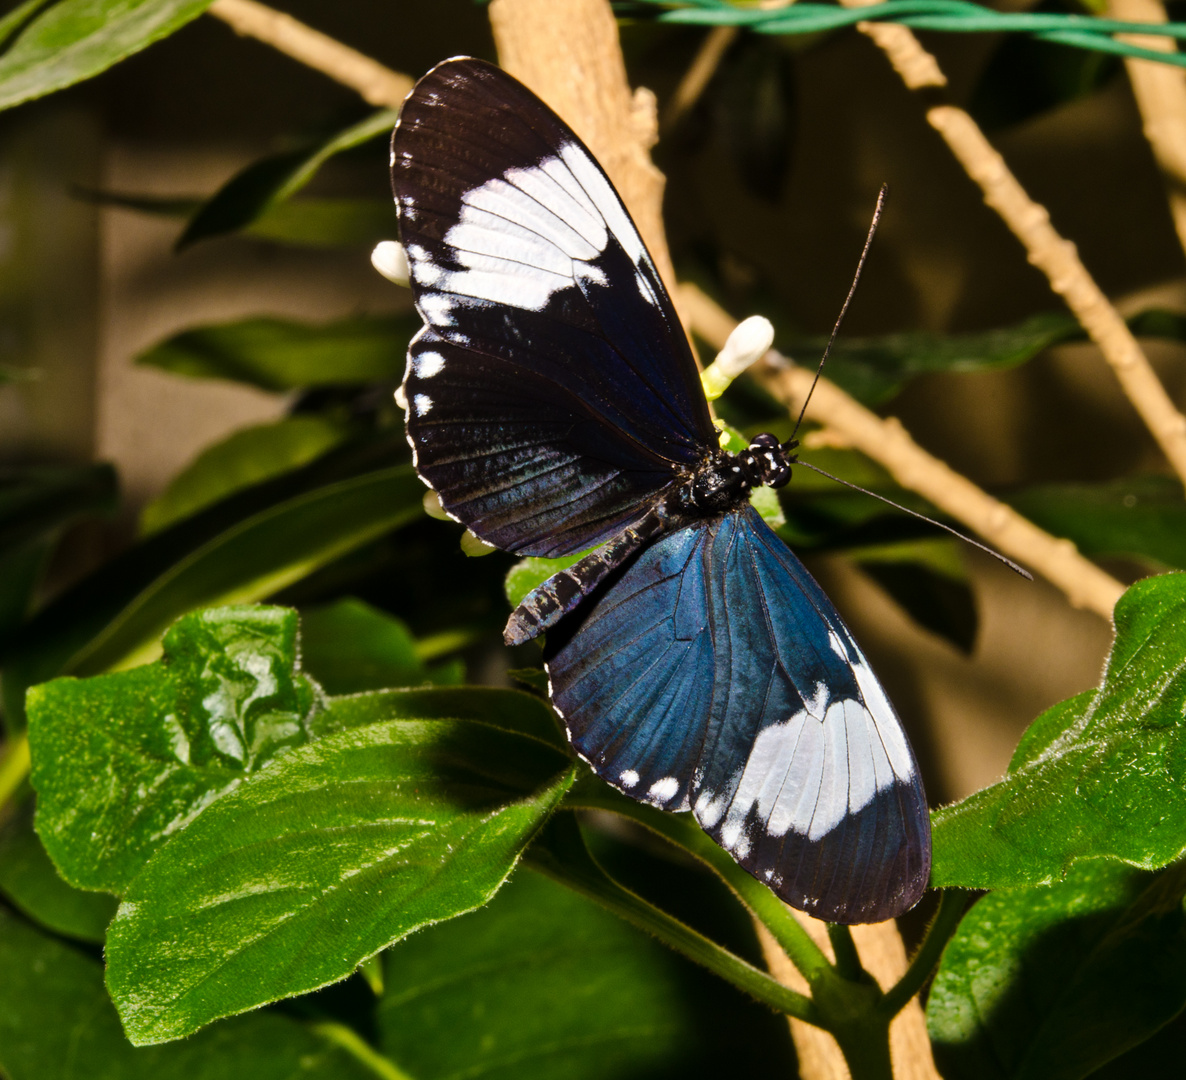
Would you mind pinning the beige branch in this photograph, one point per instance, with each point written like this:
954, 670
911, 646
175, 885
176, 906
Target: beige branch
1056, 257
375, 83
882, 955
888, 443
1160, 91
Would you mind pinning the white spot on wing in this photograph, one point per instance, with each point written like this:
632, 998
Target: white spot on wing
663, 790
628, 778
423, 404
428, 364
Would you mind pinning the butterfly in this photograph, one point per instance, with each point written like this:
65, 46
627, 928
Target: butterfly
554, 405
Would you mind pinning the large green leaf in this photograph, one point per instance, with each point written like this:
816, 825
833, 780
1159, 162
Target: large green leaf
1140, 516
123, 761
1051, 983
350, 647
272, 180
279, 355
245, 548
31, 883
54, 45
247, 457
56, 1021
540, 983
334, 852
1101, 775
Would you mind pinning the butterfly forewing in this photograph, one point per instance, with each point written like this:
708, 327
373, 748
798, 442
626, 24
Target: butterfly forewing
550, 347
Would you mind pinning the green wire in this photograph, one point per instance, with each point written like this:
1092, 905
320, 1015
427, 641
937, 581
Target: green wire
949, 16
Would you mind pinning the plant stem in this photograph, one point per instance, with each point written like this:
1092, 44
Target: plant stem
587, 877
14, 766
848, 963
951, 909
358, 1048
685, 834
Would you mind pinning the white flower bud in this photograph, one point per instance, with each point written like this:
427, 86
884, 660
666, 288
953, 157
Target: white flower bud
391, 261
751, 338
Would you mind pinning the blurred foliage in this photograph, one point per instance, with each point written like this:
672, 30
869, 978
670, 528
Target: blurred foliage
303, 810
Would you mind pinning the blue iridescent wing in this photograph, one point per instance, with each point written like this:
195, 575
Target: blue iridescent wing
715, 673
552, 391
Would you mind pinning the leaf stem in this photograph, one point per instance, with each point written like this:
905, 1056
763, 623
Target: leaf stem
14, 766
952, 903
578, 870
848, 963
358, 1048
684, 833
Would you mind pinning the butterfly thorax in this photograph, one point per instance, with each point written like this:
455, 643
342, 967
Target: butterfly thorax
724, 479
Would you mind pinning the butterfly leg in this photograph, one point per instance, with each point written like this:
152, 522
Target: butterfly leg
546, 604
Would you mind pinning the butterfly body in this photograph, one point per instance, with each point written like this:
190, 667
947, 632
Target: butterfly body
554, 405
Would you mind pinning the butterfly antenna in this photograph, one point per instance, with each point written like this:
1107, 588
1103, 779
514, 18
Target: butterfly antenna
922, 517
881, 195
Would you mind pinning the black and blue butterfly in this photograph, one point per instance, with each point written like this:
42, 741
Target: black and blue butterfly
554, 404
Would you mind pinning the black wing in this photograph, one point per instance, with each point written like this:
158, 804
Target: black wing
715, 674
552, 390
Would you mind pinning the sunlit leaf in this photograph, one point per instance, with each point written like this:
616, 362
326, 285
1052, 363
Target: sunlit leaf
1051, 983
248, 456
53, 45
1097, 776
56, 1020
276, 354
123, 761
335, 851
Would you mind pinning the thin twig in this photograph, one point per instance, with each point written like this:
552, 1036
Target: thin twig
1056, 257
889, 444
1160, 92
700, 72
375, 83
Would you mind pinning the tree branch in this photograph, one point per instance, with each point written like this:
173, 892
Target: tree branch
1160, 91
376, 84
1056, 257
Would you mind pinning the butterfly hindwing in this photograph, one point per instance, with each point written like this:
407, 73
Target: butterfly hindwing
715, 673
549, 337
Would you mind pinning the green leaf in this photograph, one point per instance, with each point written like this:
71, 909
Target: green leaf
1141, 517
278, 355
240, 550
316, 223
272, 180
540, 983
33, 886
1051, 983
334, 852
509, 710
350, 647
875, 369
56, 1020
54, 45
1099, 776
121, 762
247, 457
